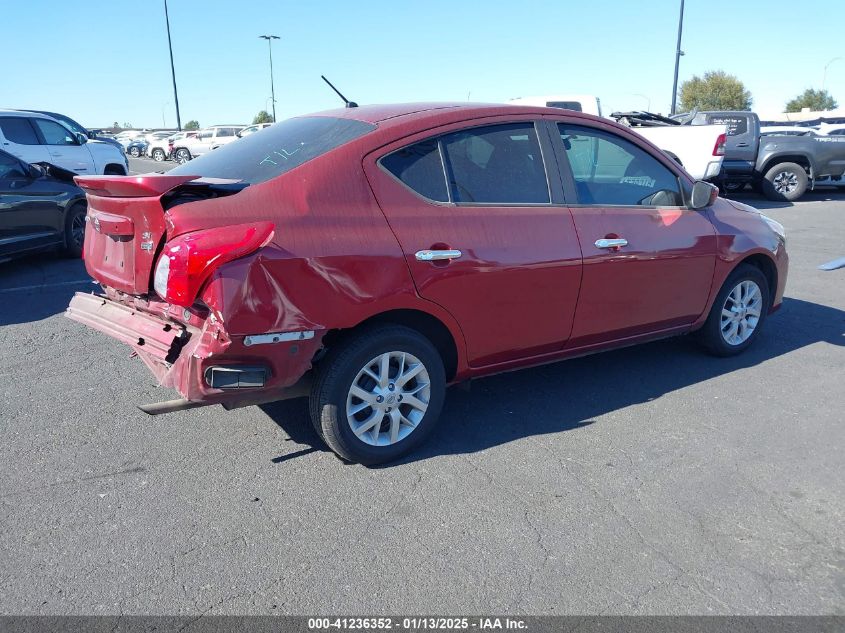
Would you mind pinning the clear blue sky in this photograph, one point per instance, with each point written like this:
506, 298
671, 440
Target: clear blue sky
101, 61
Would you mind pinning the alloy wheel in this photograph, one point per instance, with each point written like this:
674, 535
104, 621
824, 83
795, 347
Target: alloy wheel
785, 182
388, 398
77, 229
741, 312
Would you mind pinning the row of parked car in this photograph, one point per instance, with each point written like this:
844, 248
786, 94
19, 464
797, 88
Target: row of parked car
182, 146
49, 137
731, 148
41, 207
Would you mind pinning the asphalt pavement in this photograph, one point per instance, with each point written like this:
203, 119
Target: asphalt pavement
650, 480
147, 165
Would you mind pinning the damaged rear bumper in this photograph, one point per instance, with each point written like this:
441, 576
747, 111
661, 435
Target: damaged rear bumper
185, 357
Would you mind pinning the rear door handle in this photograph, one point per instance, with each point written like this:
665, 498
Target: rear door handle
742, 144
606, 243
430, 256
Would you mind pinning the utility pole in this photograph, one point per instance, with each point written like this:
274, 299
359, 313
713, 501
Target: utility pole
678, 54
270, 39
172, 69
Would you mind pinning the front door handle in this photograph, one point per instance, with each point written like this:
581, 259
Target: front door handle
431, 256
606, 243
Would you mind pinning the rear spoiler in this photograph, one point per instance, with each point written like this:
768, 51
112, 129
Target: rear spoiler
143, 186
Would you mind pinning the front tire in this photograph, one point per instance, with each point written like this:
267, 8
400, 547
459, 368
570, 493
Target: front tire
182, 156
738, 312
378, 395
134, 152
158, 155
785, 182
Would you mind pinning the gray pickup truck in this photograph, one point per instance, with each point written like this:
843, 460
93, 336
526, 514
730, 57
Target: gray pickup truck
779, 167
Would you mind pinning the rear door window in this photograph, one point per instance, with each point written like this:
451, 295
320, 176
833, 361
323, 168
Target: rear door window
497, 164
18, 130
283, 146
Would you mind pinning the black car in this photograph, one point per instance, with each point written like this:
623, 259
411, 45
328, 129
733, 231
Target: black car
137, 148
40, 208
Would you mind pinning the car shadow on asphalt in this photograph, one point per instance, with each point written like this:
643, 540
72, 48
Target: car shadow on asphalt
38, 286
571, 395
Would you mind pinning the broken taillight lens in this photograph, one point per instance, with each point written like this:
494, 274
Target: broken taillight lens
187, 261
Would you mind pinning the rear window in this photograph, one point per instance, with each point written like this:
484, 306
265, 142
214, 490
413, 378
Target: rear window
736, 124
565, 105
278, 149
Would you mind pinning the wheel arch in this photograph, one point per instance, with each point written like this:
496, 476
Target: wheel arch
799, 159
114, 169
430, 326
765, 265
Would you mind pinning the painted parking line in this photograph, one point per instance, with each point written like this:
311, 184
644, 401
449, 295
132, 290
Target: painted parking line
76, 282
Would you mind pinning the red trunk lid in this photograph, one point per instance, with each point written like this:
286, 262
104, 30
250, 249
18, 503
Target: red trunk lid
126, 224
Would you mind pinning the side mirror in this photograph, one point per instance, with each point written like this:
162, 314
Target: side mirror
81, 138
34, 171
703, 194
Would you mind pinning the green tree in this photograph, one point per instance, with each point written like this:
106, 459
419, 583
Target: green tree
816, 100
192, 125
717, 90
262, 117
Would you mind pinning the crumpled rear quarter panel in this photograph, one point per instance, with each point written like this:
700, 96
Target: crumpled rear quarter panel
333, 261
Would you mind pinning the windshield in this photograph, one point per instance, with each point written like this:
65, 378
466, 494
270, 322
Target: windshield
275, 150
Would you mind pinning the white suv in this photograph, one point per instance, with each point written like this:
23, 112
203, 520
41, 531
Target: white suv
206, 140
36, 138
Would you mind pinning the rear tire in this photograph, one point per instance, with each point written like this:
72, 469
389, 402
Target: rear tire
158, 155
134, 152
733, 187
182, 156
738, 313
75, 230
357, 403
785, 182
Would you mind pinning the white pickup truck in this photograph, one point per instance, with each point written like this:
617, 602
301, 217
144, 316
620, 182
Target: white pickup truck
698, 149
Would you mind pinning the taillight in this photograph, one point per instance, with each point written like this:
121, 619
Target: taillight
719, 147
188, 260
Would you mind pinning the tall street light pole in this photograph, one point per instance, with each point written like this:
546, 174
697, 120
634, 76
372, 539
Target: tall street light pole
172, 69
270, 39
824, 77
678, 54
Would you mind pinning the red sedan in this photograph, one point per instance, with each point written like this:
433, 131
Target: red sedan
372, 256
